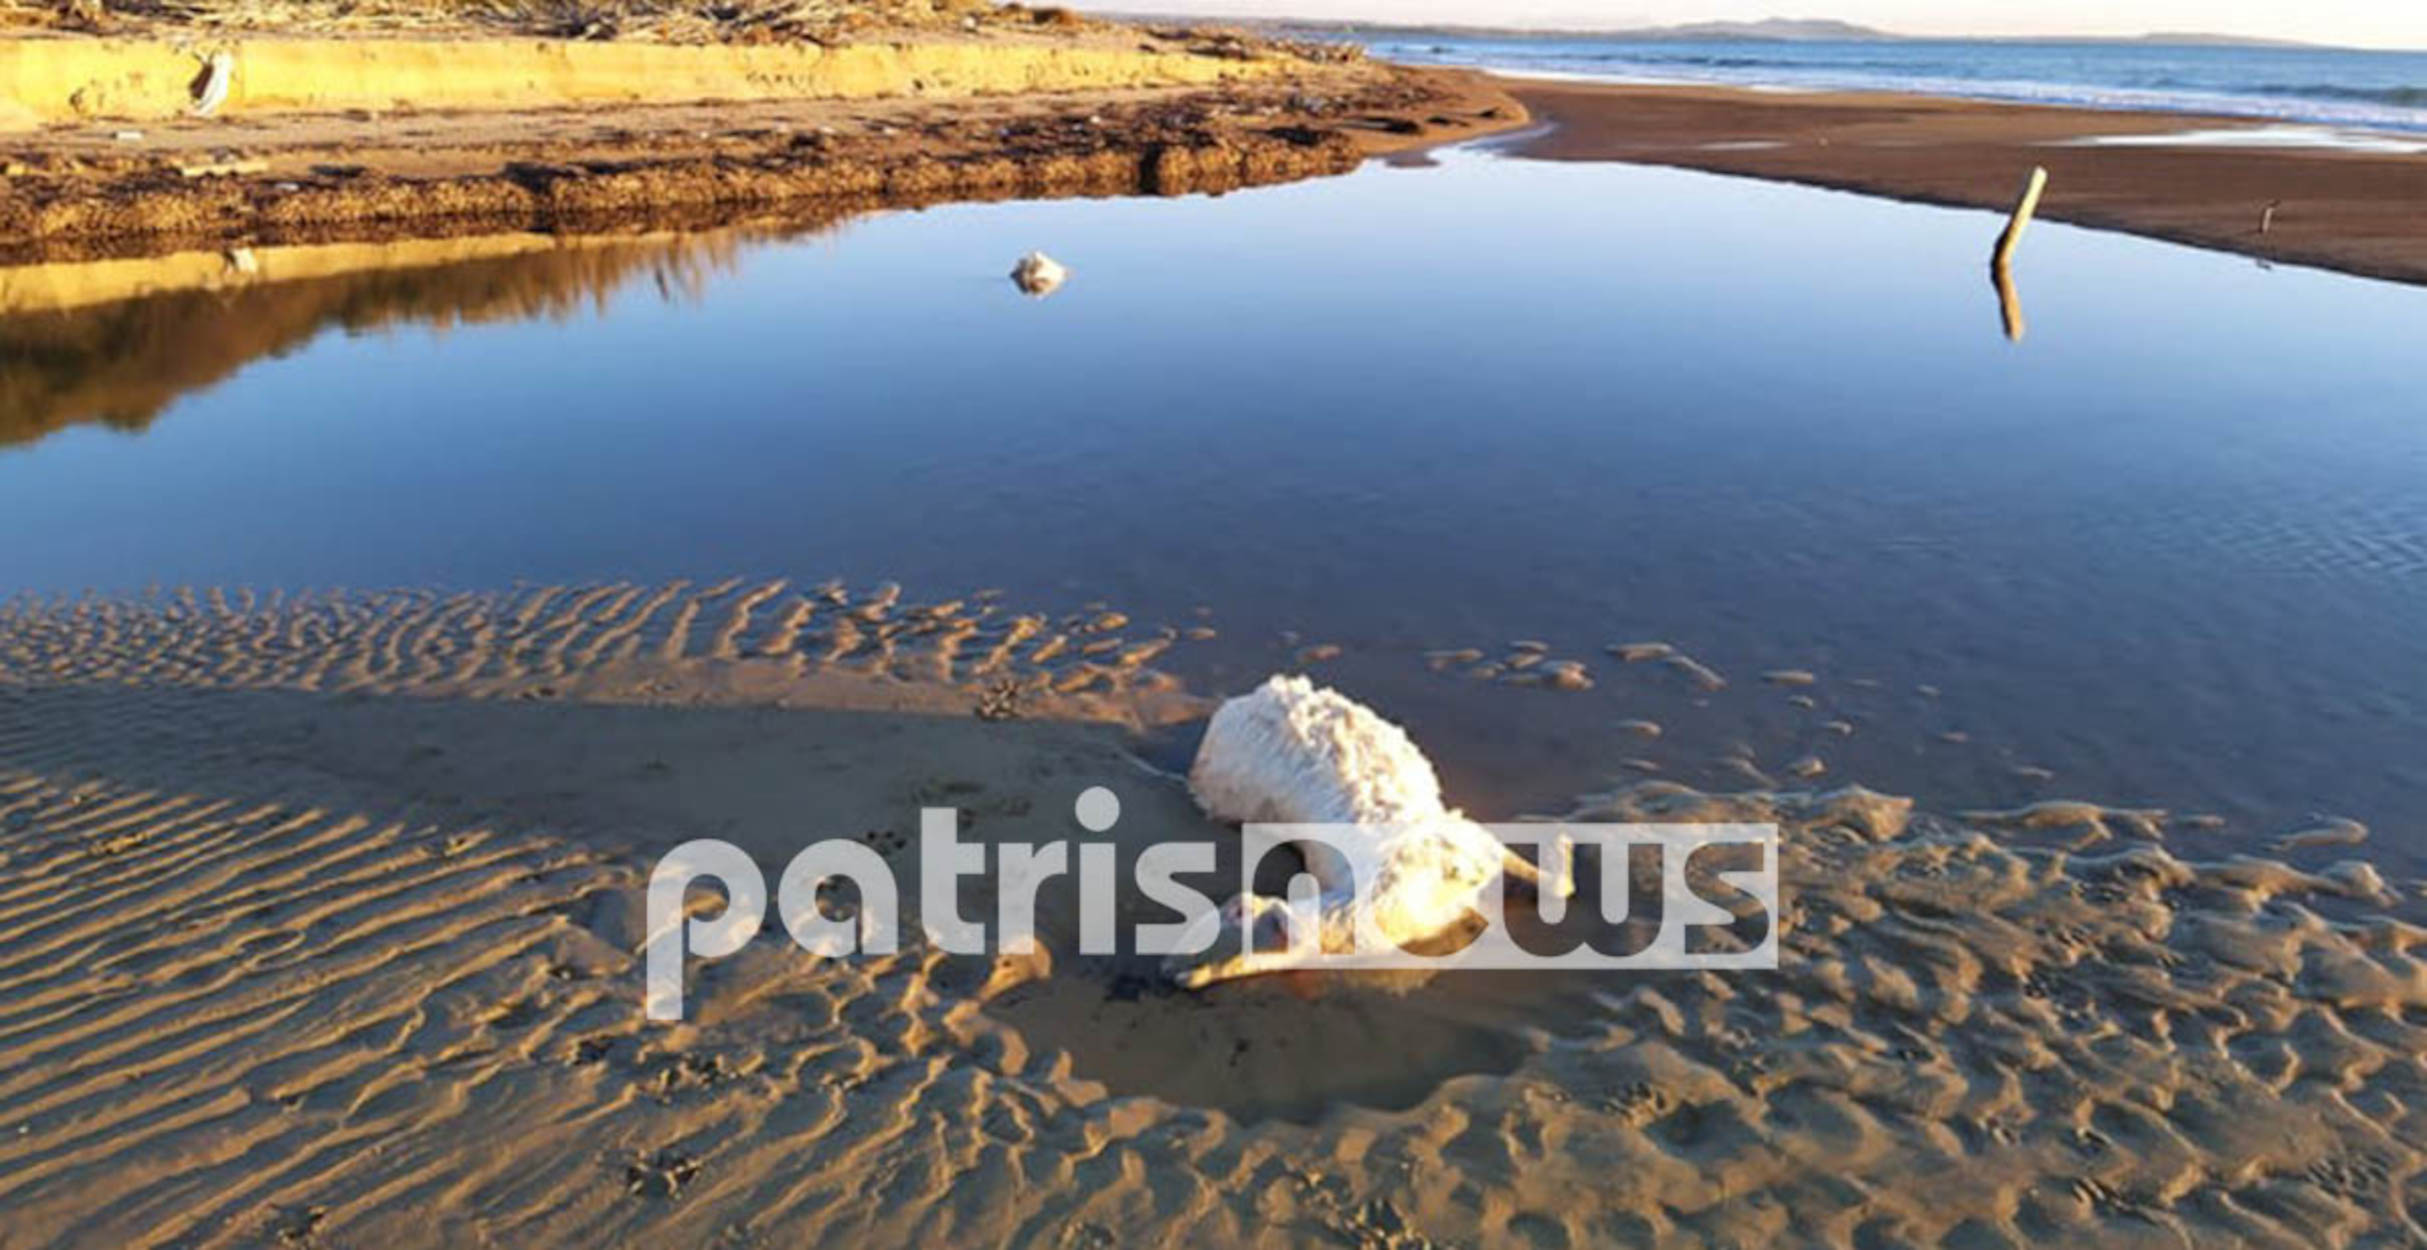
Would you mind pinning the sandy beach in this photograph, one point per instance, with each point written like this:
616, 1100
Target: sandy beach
322, 921
328, 166
2347, 210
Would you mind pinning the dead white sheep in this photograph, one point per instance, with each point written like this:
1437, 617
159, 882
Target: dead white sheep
1290, 753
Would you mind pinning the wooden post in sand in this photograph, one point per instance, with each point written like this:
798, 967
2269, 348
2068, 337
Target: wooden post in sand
2023, 210
2001, 262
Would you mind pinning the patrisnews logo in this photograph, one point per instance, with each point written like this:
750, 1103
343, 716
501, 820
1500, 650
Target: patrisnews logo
1710, 883
1431, 896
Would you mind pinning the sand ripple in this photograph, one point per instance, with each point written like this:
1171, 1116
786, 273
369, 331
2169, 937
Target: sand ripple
286, 957
732, 639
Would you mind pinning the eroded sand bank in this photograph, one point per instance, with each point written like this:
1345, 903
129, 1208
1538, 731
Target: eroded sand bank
49, 79
316, 139
318, 920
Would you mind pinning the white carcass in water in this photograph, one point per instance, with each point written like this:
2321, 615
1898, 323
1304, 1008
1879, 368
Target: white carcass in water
1039, 275
1291, 753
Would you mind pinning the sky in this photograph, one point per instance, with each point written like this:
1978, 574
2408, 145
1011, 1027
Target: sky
2362, 23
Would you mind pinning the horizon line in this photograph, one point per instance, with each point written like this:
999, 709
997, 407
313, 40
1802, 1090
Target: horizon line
2178, 38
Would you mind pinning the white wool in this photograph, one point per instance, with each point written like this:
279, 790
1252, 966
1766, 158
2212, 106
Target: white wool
1291, 753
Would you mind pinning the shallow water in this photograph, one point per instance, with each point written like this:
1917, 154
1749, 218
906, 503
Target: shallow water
2168, 549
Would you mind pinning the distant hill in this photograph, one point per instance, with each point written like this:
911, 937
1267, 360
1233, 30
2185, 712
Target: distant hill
1771, 30
1825, 30
2190, 39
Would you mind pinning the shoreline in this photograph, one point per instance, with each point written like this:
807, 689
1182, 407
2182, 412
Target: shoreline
2353, 212
591, 142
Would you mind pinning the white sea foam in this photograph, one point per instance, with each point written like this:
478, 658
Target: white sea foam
2278, 136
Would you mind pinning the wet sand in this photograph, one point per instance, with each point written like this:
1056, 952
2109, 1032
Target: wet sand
319, 920
2353, 211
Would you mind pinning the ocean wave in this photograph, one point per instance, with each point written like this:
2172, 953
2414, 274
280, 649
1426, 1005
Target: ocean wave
2402, 97
1712, 60
2289, 87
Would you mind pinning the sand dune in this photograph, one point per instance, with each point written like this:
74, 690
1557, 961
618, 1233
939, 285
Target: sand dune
318, 920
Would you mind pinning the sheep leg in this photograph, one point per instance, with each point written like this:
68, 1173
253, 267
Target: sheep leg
1557, 876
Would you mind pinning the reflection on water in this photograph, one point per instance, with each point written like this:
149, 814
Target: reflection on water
2173, 555
2009, 303
2001, 258
115, 342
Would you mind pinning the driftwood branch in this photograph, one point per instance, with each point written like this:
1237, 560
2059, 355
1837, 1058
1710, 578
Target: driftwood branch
2001, 262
